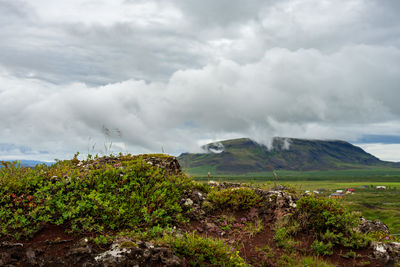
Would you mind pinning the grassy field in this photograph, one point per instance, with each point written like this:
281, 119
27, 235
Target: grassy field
373, 174
373, 204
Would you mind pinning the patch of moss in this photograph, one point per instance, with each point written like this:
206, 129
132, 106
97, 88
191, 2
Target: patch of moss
128, 244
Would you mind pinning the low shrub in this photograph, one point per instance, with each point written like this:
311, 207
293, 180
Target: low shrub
234, 198
330, 222
94, 195
286, 260
283, 239
322, 214
203, 251
296, 260
351, 254
314, 262
267, 251
321, 248
252, 228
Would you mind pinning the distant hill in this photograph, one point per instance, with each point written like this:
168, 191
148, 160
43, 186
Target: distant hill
30, 163
239, 156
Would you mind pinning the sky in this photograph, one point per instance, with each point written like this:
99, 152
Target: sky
144, 76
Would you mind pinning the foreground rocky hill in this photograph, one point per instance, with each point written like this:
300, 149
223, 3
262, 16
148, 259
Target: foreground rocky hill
143, 211
244, 155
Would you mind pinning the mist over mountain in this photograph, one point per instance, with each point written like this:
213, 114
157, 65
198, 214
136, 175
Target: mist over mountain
238, 156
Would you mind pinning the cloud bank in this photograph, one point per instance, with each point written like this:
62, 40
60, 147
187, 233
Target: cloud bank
172, 75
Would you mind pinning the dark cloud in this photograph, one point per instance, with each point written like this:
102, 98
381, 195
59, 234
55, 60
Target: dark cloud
221, 13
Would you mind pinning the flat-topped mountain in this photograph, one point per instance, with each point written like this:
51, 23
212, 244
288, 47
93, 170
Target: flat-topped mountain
244, 155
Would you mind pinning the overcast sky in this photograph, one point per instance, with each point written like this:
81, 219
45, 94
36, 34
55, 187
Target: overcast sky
149, 75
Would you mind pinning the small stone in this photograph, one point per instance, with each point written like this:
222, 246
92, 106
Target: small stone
141, 244
146, 253
149, 245
80, 250
188, 202
30, 254
172, 261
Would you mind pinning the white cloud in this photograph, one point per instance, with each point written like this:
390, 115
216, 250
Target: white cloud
387, 152
106, 13
195, 72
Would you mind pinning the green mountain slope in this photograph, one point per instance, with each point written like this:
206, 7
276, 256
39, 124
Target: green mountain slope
243, 155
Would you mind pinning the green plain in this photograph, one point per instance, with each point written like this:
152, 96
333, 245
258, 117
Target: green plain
372, 203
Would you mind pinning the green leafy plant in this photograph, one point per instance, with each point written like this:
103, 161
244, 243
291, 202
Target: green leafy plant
322, 214
267, 251
252, 228
327, 220
283, 239
314, 262
287, 260
98, 194
330, 221
234, 198
351, 254
101, 239
203, 251
321, 248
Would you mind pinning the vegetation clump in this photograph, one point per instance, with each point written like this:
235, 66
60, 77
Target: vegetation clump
329, 221
92, 195
284, 240
204, 251
322, 214
147, 198
234, 198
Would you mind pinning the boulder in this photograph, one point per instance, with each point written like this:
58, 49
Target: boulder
368, 226
386, 253
129, 253
168, 163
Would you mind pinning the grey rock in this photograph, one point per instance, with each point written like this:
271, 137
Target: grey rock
368, 226
280, 187
386, 253
171, 260
212, 227
9, 244
31, 256
80, 250
142, 255
141, 244
146, 253
188, 202
380, 252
